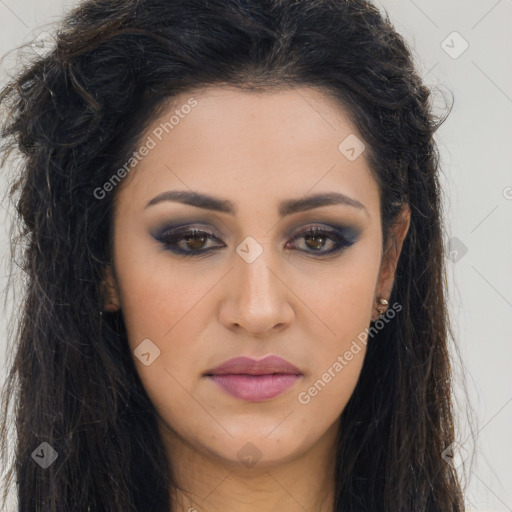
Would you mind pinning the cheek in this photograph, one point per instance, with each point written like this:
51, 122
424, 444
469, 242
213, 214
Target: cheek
342, 295
325, 394
343, 305
163, 305
336, 364
154, 296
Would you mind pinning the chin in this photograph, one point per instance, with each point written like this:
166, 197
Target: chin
252, 450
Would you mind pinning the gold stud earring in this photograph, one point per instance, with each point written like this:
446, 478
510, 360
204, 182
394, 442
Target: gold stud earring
382, 308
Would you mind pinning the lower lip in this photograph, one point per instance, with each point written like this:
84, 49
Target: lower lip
255, 388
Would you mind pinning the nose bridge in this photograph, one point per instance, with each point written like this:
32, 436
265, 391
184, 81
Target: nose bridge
256, 293
255, 270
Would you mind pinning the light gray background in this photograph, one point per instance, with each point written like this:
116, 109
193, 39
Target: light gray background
475, 146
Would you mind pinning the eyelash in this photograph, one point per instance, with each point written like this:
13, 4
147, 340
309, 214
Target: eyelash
169, 240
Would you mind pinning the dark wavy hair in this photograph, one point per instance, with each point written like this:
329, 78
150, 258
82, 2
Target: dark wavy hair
76, 114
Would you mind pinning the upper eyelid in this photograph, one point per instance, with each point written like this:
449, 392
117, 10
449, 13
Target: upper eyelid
177, 229
349, 234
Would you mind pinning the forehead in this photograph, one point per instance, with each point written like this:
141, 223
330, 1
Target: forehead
284, 142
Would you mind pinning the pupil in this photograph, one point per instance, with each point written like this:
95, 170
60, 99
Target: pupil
199, 239
318, 246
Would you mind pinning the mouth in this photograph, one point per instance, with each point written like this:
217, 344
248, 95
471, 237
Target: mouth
255, 380
255, 388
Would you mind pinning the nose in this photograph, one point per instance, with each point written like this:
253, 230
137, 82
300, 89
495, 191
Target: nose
258, 300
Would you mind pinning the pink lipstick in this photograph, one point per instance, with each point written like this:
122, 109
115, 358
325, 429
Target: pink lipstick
255, 380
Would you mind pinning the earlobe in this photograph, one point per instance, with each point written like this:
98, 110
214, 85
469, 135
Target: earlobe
109, 291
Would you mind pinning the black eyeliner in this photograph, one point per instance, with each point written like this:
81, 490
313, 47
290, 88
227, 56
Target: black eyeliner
344, 236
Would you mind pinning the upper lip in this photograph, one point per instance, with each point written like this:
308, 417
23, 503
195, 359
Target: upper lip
246, 365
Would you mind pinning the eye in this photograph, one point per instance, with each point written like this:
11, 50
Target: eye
194, 240
315, 239
191, 242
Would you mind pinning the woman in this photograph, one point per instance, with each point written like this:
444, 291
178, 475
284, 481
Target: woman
235, 264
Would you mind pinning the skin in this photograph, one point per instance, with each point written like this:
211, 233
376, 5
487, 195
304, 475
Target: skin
254, 149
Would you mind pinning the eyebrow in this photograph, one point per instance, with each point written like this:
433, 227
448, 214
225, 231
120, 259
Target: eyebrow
286, 207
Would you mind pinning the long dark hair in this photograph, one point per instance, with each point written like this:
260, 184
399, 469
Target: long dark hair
76, 115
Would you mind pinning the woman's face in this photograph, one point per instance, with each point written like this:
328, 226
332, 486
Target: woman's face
253, 282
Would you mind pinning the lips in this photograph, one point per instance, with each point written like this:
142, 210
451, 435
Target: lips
255, 380
247, 366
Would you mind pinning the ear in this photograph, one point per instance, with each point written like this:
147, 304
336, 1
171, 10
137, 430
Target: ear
110, 291
390, 257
